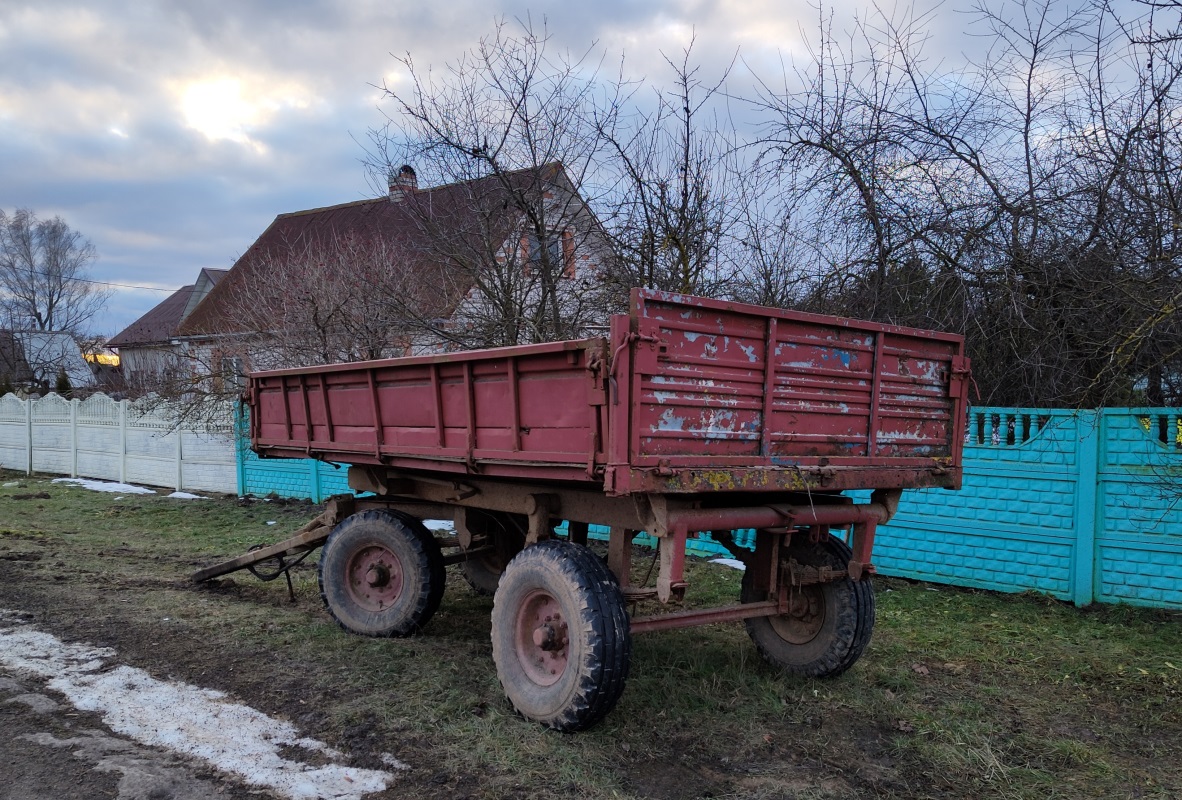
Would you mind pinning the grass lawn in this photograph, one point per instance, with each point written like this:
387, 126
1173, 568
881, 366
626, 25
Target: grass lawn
961, 694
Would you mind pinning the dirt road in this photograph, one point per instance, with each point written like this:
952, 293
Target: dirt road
52, 750
78, 722
107, 691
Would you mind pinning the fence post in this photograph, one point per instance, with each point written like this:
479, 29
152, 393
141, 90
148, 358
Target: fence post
240, 447
179, 459
29, 435
1087, 483
74, 438
123, 441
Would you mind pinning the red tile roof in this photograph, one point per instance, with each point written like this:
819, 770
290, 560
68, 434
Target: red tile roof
438, 234
158, 325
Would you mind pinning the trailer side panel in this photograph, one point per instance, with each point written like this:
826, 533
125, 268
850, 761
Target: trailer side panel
521, 411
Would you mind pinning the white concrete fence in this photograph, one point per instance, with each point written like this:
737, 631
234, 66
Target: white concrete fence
115, 440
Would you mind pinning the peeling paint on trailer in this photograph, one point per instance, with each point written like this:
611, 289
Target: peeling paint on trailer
669, 421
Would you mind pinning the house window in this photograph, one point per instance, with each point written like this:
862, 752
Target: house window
233, 373
557, 245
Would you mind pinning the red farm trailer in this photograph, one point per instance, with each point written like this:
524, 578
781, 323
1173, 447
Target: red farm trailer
693, 416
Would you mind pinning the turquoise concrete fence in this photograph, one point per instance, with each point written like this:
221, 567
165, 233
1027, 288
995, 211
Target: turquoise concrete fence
290, 477
302, 478
1079, 505
1082, 506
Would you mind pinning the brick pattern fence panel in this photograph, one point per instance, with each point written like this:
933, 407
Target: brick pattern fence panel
1082, 506
1012, 527
298, 478
119, 441
1139, 521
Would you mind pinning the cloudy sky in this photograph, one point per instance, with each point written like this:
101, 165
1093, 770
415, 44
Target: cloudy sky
170, 133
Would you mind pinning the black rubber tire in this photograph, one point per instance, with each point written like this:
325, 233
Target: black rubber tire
598, 641
481, 575
401, 546
507, 535
843, 617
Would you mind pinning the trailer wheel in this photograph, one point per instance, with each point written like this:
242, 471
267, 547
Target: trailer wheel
506, 533
381, 574
560, 636
829, 624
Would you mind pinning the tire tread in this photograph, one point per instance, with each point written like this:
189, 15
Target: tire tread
601, 613
425, 550
854, 625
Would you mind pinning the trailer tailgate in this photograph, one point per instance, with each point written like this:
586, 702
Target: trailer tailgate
726, 395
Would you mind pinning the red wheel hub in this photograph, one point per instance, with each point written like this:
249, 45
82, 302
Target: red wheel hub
541, 638
373, 576
805, 617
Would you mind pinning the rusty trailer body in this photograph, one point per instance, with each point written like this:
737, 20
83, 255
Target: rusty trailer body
692, 416
688, 395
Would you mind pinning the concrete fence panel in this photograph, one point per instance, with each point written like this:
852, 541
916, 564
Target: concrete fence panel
14, 432
117, 440
99, 436
1138, 538
1081, 505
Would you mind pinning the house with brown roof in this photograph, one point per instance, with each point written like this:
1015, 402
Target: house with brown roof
149, 348
506, 258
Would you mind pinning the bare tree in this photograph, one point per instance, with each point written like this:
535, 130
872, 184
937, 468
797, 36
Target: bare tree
315, 298
835, 126
1161, 24
1139, 148
676, 219
1026, 201
326, 300
509, 123
44, 268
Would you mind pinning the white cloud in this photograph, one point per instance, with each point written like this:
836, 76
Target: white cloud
237, 110
217, 110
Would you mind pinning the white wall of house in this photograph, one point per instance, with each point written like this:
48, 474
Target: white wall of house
116, 440
149, 360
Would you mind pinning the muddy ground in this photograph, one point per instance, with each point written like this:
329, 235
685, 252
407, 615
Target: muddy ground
53, 750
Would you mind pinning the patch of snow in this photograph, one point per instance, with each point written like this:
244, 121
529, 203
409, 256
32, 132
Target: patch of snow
271, 522
733, 563
12, 483
105, 486
392, 762
187, 719
187, 496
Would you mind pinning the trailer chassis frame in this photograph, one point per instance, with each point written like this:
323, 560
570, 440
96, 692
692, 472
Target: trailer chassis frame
671, 519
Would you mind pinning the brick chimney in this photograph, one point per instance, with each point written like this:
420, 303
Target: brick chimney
402, 183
